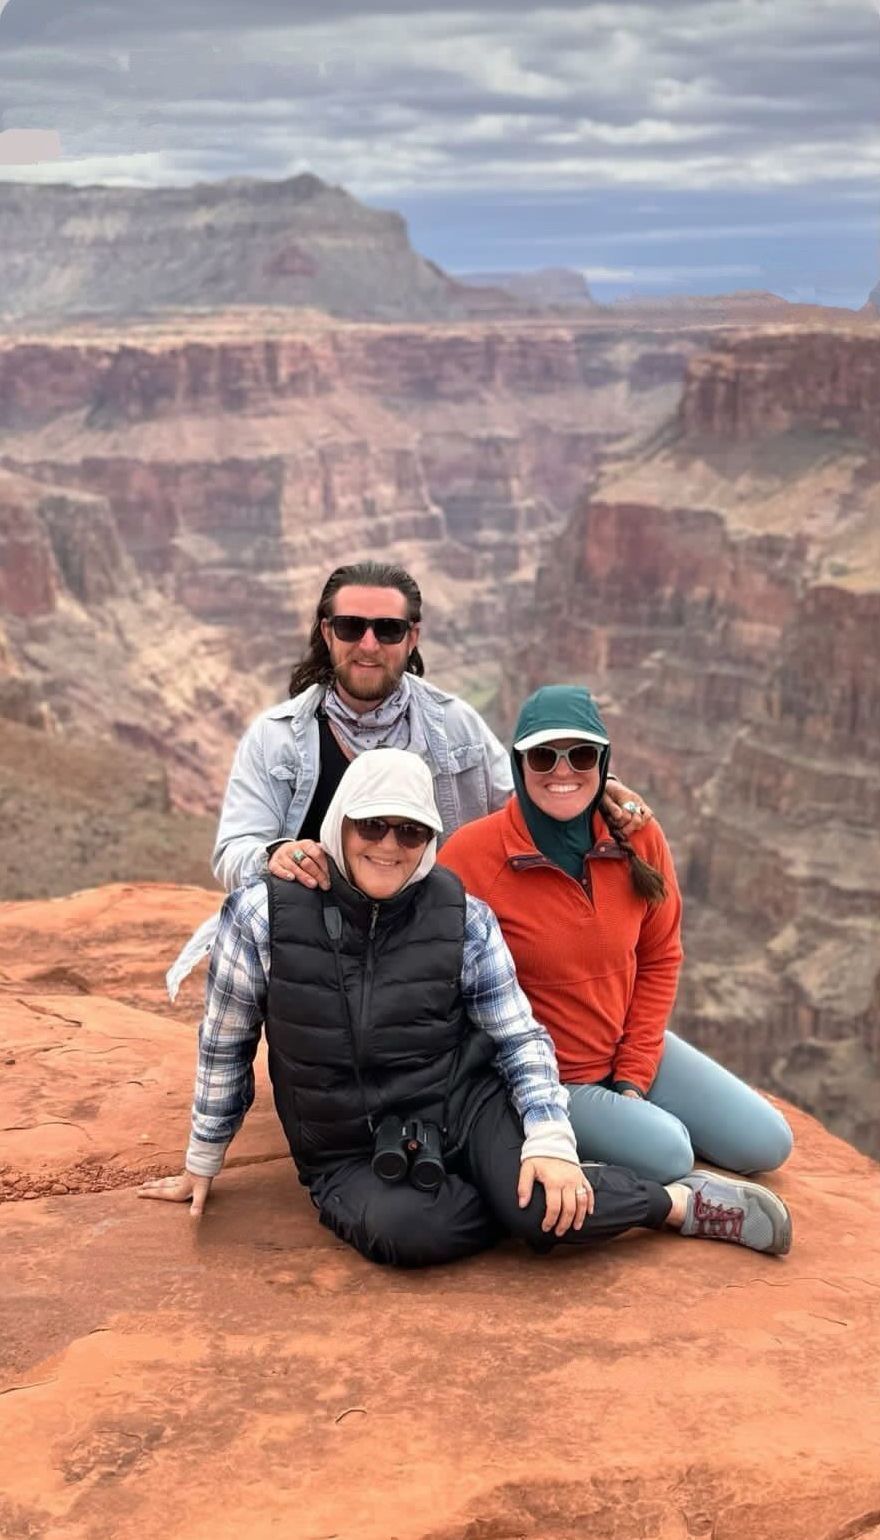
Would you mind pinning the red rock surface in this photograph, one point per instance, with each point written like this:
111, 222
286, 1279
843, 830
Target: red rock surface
250, 1375
96, 1064
115, 941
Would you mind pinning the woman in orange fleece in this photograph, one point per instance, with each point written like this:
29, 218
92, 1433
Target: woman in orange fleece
594, 925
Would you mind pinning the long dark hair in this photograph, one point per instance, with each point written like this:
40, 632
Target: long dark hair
315, 667
648, 882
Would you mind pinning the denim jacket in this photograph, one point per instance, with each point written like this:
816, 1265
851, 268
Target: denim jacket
275, 771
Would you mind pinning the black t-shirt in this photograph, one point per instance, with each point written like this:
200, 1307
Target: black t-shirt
332, 767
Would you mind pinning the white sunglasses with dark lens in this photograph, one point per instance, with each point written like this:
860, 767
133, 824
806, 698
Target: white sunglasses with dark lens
580, 757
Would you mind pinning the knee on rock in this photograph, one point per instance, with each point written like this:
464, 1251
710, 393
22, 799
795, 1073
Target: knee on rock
402, 1231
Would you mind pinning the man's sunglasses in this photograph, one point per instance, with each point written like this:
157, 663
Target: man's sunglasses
409, 836
387, 629
543, 757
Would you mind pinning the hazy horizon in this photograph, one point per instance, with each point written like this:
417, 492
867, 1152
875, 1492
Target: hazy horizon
693, 146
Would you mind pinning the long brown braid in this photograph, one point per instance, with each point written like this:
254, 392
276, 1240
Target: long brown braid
647, 881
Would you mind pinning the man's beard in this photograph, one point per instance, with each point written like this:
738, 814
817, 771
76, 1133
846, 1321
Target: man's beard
382, 681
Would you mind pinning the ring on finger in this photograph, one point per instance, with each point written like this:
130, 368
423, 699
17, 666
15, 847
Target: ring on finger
299, 856
631, 807
582, 1192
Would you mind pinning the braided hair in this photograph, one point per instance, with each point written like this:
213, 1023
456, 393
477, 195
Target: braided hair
648, 882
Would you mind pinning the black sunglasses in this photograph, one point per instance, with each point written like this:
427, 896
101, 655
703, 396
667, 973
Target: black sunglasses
408, 835
543, 757
387, 629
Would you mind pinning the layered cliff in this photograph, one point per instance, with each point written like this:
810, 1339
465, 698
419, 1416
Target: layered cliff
128, 251
821, 380
722, 594
172, 498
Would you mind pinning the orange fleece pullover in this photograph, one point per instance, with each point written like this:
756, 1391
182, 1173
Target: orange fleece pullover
598, 963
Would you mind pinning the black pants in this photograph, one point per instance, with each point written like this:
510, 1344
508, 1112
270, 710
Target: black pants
476, 1205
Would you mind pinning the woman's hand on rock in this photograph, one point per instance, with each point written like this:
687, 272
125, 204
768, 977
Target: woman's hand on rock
302, 861
569, 1196
180, 1189
625, 819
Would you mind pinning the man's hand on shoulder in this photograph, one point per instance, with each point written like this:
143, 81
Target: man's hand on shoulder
302, 861
624, 809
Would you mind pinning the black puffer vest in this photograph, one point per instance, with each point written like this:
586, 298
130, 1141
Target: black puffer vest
402, 1044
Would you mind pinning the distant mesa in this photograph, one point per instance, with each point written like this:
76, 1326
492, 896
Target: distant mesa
754, 302
123, 251
546, 287
873, 301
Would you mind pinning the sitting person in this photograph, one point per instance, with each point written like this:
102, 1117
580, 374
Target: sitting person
593, 922
405, 1062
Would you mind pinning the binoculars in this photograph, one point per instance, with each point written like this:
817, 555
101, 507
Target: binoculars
408, 1147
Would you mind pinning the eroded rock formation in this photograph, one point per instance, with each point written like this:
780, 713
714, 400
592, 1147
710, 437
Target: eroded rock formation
721, 593
174, 496
824, 381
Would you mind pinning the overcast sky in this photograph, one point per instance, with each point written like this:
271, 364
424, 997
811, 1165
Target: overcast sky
679, 145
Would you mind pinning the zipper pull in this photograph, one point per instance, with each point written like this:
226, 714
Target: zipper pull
374, 920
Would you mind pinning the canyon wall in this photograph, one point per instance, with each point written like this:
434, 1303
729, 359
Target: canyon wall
820, 379
721, 594
172, 497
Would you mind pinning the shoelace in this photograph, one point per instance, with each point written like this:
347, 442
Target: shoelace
717, 1221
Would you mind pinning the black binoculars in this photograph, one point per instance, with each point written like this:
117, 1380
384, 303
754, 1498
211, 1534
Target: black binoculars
408, 1147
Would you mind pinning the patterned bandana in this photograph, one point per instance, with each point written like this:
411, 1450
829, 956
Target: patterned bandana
385, 726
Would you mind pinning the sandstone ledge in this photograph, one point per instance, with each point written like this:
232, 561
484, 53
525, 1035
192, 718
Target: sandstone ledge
249, 1375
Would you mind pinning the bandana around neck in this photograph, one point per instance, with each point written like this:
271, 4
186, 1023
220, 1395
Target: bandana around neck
385, 726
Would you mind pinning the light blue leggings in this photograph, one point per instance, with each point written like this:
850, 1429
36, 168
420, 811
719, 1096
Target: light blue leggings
694, 1106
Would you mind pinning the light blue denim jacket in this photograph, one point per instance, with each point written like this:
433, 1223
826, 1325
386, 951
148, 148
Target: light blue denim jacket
275, 771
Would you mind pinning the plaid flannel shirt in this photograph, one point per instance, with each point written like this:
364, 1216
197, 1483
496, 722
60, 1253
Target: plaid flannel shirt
235, 1010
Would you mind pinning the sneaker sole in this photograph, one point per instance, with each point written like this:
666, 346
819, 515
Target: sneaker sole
767, 1202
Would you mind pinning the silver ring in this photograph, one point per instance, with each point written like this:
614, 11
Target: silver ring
582, 1192
631, 807
299, 856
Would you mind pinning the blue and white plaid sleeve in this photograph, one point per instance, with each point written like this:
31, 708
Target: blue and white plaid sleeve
235, 1009
494, 1001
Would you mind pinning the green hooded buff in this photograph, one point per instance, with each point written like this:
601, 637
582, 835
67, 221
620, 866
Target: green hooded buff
564, 710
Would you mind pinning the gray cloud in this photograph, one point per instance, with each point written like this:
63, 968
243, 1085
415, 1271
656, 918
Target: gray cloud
392, 97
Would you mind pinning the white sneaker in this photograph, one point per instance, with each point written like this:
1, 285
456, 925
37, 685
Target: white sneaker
723, 1208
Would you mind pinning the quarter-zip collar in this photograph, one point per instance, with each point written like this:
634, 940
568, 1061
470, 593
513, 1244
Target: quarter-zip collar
522, 853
